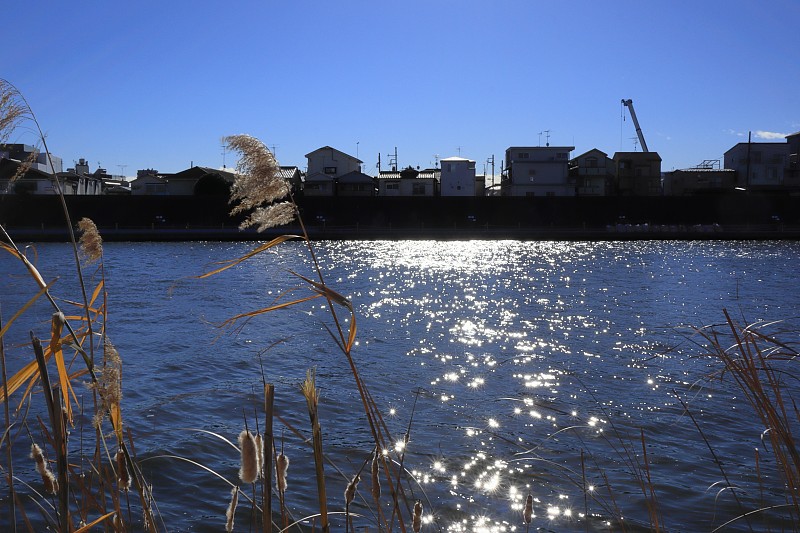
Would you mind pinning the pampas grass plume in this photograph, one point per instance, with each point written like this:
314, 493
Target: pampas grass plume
50, 482
90, 241
248, 472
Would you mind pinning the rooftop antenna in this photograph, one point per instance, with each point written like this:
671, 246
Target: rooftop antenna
224, 147
436, 160
274, 151
635, 142
547, 137
540, 138
459, 151
122, 170
393, 160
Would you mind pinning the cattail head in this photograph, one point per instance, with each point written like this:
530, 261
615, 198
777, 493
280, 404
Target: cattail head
91, 242
123, 476
527, 513
248, 472
350, 491
281, 469
376, 480
229, 514
49, 480
260, 454
416, 521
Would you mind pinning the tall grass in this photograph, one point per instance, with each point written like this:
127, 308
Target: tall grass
90, 479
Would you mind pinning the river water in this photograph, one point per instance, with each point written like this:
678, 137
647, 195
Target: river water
516, 368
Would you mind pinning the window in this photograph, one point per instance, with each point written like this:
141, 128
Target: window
418, 189
550, 193
591, 162
392, 186
312, 186
330, 170
562, 155
523, 155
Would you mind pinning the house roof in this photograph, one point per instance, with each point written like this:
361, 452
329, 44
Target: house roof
428, 173
592, 151
195, 173
456, 158
319, 177
8, 168
333, 150
355, 177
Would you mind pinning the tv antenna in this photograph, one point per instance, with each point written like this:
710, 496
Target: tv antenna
224, 147
635, 142
122, 170
547, 137
393, 159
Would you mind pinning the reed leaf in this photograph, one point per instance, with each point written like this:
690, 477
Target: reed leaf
233, 262
55, 349
257, 312
90, 525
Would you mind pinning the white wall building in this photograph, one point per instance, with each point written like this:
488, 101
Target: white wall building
458, 177
538, 171
331, 162
767, 162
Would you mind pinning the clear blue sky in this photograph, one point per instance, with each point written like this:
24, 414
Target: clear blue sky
157, 84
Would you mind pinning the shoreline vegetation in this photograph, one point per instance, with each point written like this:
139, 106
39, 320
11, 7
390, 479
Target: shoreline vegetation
88, 474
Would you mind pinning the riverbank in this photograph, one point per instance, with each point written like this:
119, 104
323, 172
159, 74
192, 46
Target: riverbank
179, 218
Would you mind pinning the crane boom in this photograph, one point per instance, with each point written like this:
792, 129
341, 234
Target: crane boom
629, 104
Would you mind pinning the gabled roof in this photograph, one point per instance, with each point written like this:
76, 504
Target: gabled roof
333, 150
356, 177
593, 150
195, 173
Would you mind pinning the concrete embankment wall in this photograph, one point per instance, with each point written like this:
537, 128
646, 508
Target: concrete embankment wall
198, 217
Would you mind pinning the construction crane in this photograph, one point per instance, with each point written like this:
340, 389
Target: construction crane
629, 104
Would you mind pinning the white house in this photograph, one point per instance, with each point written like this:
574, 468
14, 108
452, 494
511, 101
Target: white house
538, 171
331, 162
766, 162
458, 177
409, 182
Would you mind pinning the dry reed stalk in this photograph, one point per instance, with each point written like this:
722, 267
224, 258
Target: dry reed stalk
375, 476
311, 394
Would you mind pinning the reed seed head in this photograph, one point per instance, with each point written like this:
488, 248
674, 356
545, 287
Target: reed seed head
110, 382
350, 491
281, 469
416, 521
229, 514
527, 513
376, 480
90, 242
49, 480
123, 476
13, 109
248, 472
258, 183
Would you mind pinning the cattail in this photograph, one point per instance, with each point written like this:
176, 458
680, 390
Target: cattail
350, 491
376, 481
248, 472
260, 454
50, 482
124, 477
231, 509
281, 468
416, 522
527, 513
90, 241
